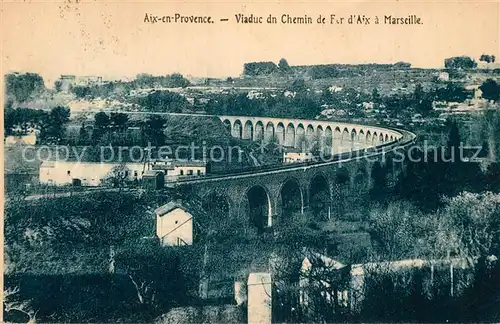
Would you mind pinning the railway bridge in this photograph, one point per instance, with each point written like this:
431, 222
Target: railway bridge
330, 187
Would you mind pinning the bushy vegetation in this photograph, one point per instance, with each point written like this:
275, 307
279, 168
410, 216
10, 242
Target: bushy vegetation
460, 62
50, 125
491, 90
346, 70
92, 256
21, 87
124, 87
163, 101
259, 68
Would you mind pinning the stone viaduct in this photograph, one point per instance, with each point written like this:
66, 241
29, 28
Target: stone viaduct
328, 188
334, 136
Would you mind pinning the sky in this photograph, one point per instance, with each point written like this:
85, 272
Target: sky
111, 39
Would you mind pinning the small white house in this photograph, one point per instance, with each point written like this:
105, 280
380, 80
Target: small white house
174, 224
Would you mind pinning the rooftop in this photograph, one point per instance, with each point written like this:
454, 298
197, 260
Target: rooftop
168, 207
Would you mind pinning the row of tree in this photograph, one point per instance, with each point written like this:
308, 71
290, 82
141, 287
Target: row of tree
50, 125
318, 71
327, 71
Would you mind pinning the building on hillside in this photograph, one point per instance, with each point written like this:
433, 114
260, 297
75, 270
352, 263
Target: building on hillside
175, 169
67, 81
61, 173
174, 224
94, 173
89, 80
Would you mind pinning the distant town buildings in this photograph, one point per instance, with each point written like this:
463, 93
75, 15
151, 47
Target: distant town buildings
68, 81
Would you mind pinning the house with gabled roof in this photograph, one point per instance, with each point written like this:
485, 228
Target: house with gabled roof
174, 224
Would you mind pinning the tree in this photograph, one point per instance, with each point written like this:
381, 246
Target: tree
454, 141
452, 92
12, 304
491, 122
473, 224
101, 120
54, 129
178, 80
163, 101
375, 95
101, 124
118, 120
459, 62
154, 272
118, 176
298, 85
83, 136
379, 178
490, 89
22, 86
153, 130
418, 94
422, 103
394, 230
81, 91
18, 121
283, 65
